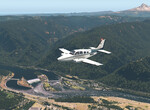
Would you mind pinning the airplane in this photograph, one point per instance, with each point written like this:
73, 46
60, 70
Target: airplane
81, 55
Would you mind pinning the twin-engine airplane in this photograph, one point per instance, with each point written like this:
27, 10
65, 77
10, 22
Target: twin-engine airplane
81, 55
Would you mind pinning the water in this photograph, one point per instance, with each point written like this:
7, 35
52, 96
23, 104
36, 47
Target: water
28, 73
13, 84
102, 93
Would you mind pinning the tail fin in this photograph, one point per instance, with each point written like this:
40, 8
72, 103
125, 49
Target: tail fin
100, 46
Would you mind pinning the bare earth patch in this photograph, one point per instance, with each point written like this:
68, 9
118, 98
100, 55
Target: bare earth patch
77, 106
122, 102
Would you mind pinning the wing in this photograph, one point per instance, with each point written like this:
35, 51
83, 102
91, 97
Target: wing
88, 61
104, 51
64, 50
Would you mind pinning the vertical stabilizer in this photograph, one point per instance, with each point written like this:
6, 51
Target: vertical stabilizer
100, 46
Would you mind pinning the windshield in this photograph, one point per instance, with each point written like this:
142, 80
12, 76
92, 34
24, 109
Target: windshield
72, 52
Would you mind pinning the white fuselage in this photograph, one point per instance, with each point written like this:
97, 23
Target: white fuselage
77, 54
82, 55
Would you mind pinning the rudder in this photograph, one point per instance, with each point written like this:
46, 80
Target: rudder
101, 45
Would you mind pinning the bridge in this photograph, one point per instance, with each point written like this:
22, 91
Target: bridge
31, 81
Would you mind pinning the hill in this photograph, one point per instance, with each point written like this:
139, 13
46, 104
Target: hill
143, 7
127, 42
135, 76
141, 11
25, 39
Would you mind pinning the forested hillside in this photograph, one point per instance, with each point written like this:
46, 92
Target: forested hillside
132, 13
25, 39
35, 41
135, 76
13, 101
127, 42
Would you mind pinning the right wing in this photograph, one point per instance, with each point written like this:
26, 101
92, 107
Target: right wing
104, 51
88, 61
64, 50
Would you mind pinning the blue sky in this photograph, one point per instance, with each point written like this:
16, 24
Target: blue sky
66, 6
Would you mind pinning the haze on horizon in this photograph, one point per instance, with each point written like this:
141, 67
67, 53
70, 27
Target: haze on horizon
66, 6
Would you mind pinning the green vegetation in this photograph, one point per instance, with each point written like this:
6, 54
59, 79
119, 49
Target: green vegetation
124, 47
9, 100
66, 108
129, 107
133, 13
35, 41
127, 41
106, 102
78, 88
46, 103
38, 73
48, 87
4, 72
25, 39
80, 99
135, 76
26, 106
72, 84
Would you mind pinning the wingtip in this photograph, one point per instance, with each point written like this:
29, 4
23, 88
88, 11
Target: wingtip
99, 65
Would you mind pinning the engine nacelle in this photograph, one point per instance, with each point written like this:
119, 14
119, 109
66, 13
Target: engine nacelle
77, 60
64, 54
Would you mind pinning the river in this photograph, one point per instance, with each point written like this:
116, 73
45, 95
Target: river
30, 74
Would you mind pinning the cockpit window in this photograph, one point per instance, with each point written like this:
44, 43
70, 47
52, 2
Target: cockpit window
76, 53
72, 52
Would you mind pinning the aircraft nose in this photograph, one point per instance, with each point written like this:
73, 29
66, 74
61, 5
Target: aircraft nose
59, 58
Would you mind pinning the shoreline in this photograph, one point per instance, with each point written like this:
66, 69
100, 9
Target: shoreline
123, 102
49, 94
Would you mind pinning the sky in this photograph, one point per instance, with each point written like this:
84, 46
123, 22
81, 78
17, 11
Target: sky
66, 6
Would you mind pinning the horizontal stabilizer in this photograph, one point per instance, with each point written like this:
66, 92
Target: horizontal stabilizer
104, 51
64, 50
92, 48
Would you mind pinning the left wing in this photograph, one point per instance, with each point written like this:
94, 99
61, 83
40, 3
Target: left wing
64, 50
88, 61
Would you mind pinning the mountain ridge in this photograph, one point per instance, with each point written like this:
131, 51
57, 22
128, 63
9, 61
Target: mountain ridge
126, 41
134, 75
24, 40
143, 7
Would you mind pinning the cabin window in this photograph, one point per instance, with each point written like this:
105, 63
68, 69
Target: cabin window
84, 52
81, 52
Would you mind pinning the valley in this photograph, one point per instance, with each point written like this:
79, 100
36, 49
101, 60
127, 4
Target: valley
70, 86
30, 38
31, 74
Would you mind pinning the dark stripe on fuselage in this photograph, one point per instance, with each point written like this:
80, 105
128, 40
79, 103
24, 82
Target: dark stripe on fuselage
79, 56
